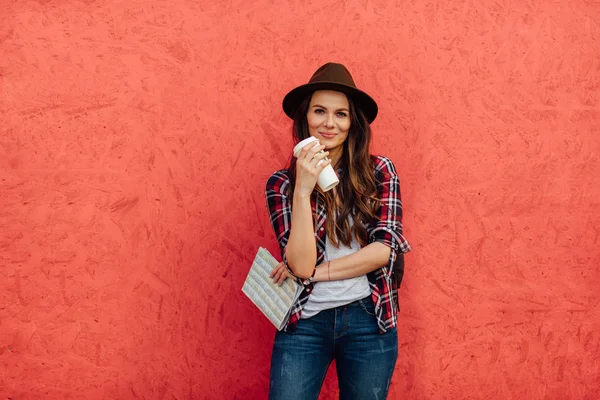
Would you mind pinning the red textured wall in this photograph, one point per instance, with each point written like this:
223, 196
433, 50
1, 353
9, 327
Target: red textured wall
136, 138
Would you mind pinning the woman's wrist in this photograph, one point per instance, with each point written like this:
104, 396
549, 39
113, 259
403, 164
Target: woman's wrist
323, 272
301, 194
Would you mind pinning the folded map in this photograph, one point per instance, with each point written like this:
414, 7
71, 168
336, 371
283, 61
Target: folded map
273, 300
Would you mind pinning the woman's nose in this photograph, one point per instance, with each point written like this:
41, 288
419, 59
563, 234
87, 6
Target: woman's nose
329, 121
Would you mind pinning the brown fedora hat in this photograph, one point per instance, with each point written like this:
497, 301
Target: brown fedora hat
331, 76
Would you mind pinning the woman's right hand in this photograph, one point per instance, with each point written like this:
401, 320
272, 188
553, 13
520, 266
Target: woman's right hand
307, 170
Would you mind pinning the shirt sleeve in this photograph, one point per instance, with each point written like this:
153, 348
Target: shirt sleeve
280, 210
388, 229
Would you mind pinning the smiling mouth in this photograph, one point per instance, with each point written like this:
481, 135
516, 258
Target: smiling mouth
327, 135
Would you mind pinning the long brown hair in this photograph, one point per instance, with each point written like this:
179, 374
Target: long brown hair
357, 189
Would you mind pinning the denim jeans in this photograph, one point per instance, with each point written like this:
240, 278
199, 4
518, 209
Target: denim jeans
365, 359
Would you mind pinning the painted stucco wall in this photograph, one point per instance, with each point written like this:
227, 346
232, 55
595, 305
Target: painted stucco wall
136, 138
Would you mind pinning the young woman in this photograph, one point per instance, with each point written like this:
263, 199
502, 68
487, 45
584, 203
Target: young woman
345, 246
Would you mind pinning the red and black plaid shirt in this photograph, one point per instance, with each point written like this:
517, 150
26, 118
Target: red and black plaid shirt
388, 230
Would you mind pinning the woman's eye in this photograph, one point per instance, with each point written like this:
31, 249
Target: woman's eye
319, 111
342, 114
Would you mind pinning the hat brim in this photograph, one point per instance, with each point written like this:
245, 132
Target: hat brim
292, 100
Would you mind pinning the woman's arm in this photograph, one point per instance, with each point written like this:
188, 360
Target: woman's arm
385, 236
293, 225
301, 250
367, 259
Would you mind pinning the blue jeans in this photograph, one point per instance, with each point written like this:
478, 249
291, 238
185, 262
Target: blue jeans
365, 359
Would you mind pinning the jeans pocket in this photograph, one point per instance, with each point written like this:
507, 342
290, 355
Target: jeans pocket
367, 305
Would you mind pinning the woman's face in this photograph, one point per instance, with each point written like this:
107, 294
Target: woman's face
328, 119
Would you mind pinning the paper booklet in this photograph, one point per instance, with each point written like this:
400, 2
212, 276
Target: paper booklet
273, 300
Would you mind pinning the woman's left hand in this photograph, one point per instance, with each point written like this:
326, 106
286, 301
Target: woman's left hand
280, 273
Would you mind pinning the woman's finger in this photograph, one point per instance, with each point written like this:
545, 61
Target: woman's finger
322, 166
312, 152
276, 269
277, 277
317, 158
304, 152
283, 277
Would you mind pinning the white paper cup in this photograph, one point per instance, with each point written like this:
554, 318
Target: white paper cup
327, 178
298, 148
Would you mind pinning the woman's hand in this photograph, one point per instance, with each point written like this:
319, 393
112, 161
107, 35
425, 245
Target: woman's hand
280, 273
307, 170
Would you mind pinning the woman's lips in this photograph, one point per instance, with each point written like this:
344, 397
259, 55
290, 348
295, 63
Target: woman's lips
327, 135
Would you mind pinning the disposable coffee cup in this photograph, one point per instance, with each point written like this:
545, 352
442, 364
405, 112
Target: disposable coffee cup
327, 178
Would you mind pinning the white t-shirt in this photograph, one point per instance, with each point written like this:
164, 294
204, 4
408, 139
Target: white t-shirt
331, 294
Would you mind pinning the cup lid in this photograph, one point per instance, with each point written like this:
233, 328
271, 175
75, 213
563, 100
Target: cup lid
302, 143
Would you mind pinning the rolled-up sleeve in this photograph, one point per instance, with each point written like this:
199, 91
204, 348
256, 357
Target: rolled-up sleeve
280, 210
388, 229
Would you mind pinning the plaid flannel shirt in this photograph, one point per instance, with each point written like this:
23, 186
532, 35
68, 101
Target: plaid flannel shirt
388, 230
